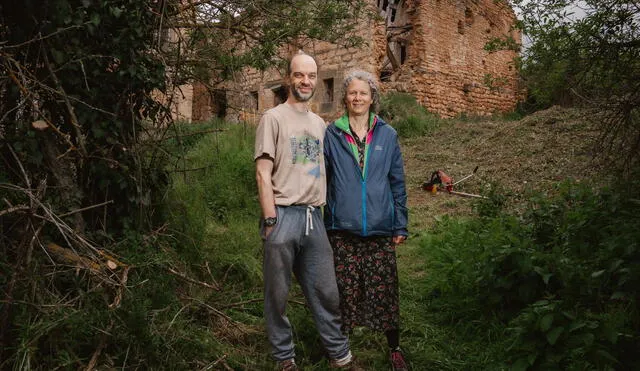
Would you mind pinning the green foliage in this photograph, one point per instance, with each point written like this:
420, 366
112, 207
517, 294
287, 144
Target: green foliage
232, 34
563, 277
590, 47
92, 74
586, 53
214, 207
404, 113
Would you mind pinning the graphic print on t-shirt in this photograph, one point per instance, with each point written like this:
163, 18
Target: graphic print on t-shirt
306, 150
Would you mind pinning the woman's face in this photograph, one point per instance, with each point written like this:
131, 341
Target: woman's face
358, 97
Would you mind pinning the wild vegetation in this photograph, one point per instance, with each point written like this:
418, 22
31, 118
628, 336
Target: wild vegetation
88, 149
586, 53
130, 242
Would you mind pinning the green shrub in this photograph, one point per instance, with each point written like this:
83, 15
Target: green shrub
564, 277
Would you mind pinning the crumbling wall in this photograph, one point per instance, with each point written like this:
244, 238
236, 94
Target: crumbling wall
447, 69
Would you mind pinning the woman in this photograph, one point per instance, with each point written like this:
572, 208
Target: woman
366, 213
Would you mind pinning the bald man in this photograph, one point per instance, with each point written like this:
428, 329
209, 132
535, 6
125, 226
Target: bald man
291, 181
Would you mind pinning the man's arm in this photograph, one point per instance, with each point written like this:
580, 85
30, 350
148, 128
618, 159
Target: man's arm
264, 167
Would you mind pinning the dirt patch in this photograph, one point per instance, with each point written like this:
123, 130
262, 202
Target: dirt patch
536, 152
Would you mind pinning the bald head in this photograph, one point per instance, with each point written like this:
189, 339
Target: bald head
302, 77
299, 57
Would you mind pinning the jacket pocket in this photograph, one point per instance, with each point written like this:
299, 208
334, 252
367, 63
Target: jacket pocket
380, 211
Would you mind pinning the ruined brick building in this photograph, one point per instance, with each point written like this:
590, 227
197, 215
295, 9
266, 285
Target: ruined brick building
432, 49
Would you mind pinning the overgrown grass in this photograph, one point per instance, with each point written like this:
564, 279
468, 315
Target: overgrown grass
213, 202
553, 288
408, 117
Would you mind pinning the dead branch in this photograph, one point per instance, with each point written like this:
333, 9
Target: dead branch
41, 38
112, 262
219, 313
86, 208
191, 280
14, 209
70, 257
192, 169
123, 282
195, 133
34, 239
214, 363
241, 303
72, 114
103, 342
27, 182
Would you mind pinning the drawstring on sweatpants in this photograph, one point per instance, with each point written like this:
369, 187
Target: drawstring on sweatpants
309, 224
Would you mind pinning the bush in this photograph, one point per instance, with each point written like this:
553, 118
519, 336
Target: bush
564, 277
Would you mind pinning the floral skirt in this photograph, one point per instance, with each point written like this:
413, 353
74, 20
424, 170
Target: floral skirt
367, 278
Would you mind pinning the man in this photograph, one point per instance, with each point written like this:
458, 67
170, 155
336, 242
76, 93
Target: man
290, 174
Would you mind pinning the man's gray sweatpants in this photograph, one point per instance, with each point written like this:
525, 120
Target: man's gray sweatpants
298, 243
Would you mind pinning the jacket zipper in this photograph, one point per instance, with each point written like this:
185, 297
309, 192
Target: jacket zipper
363, 181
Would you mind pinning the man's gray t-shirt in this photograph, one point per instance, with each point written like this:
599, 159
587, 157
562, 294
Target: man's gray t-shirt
293, 139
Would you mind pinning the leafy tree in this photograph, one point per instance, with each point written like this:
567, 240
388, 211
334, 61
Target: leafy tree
214, 40
587, 53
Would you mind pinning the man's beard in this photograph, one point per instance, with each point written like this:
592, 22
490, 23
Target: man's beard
301, 97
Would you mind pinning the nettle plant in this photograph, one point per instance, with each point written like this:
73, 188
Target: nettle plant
566, 280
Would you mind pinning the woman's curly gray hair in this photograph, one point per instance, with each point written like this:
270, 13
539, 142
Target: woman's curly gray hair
369, 79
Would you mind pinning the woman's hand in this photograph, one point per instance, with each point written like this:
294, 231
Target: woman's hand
397, 240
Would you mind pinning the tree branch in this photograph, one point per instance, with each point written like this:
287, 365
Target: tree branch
72, 115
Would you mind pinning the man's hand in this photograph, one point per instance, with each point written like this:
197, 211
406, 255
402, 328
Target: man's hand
267, 231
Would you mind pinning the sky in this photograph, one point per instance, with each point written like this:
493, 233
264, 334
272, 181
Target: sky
577, 10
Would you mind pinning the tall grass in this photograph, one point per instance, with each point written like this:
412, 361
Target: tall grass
212, 204
408, 117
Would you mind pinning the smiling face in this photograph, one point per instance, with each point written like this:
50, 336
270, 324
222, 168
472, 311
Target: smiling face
302, 78
358, 97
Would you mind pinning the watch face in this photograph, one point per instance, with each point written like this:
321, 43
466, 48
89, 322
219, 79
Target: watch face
270, 222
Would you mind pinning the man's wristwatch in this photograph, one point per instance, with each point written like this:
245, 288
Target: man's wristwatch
270, 221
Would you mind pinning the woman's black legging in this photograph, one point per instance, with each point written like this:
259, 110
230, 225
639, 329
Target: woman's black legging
393, 338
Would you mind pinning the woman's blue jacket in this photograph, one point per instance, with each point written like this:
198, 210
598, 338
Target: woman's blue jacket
372, 202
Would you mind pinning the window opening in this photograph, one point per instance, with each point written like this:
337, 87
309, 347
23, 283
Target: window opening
328, 90
403, 53
254, 97
279, 95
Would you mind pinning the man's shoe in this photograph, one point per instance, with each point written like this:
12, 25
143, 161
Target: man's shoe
398, 362
287, 365
350, 366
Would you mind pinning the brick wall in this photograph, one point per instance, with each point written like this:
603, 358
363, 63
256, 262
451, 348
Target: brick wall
448, 69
